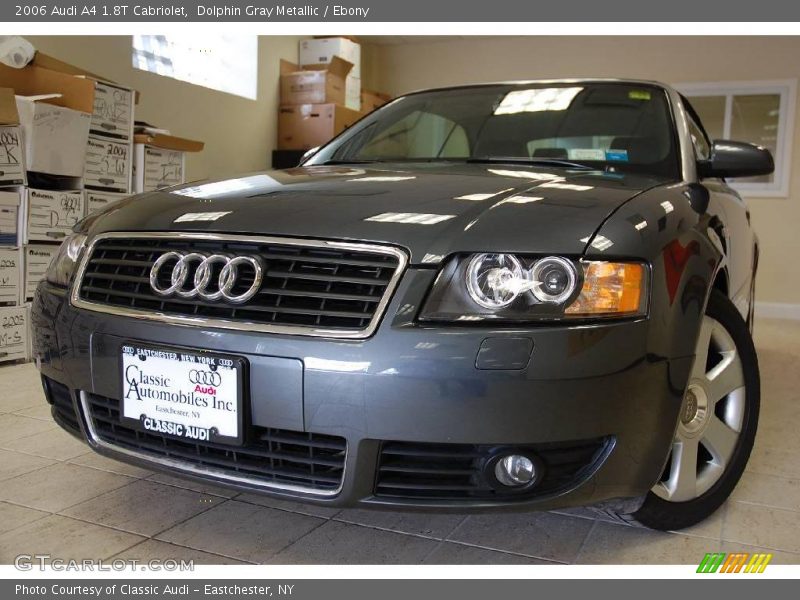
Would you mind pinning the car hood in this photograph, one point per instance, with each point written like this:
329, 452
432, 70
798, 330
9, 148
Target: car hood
431, 209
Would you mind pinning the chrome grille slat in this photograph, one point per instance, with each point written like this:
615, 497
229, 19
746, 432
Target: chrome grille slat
310, 287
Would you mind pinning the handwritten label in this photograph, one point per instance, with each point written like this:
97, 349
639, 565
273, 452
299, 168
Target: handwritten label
37, 259
107, 165
52, 215
9, 276
113, 111
162, 168
12, 171
13, 333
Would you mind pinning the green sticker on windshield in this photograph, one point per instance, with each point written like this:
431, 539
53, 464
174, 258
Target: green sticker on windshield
639, 95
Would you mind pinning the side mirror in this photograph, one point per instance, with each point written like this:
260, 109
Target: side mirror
736, 159
307, 155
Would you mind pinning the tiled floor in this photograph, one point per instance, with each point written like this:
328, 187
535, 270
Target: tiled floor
57, 497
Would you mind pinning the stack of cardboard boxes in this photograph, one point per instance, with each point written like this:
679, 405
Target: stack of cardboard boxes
66, 150
321, 96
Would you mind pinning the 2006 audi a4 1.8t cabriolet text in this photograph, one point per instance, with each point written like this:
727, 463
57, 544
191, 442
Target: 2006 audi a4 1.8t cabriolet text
511, 296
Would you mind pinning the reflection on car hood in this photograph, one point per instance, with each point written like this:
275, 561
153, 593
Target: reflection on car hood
431, 209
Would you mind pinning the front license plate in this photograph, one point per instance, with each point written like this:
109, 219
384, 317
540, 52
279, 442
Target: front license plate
185, 394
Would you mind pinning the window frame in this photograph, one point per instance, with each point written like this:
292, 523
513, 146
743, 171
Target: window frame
786, 90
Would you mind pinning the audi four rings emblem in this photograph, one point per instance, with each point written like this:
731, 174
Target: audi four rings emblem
205, 284
205, 377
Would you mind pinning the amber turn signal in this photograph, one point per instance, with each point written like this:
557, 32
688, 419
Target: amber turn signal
610, 288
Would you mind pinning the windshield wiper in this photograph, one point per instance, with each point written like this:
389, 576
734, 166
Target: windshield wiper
555, 162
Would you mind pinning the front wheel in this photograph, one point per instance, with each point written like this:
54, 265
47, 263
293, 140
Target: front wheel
717, 424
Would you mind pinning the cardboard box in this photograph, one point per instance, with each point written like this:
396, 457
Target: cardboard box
10, 276
113, 111
160, 160
352, 93
12, 159
53, 136
315, 84
10, 208
54, 111
320, 51
310, 125
51, 215
108, 165
95, 201
14, 333
371, 100
37, 259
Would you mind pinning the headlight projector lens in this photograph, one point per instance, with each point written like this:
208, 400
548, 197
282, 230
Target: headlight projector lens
495, 280
554, 279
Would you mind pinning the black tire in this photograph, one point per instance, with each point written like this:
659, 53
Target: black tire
658, 513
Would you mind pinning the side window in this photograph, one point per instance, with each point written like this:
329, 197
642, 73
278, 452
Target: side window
700, 141
419, 135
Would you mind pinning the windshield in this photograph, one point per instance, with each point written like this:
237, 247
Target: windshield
613, 126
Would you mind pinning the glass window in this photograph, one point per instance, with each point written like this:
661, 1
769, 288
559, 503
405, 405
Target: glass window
613, 126
758, 112
228, 63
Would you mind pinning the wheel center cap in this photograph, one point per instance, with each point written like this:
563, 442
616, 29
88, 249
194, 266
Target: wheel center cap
695, 409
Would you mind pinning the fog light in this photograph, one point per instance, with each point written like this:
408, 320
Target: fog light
515, 470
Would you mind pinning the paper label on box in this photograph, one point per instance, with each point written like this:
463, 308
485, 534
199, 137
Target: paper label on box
10, 273
52, 215
108, 165
13, 333
12, 169
37, 259
113, 111
162, 168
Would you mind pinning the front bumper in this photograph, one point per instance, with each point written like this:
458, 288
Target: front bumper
411, 386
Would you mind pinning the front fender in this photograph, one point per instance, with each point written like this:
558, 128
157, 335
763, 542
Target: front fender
670, 229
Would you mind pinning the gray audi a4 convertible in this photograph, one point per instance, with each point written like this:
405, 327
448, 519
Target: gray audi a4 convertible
514, 296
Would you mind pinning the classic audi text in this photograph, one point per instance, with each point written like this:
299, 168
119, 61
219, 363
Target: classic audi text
512, 296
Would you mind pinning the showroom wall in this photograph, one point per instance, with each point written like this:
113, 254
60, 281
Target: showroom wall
239, 133
404, 67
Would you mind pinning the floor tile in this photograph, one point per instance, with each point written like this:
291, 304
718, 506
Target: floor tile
13, 427
58, 486
41, 411
203, 488
157, 550
542, 535
774, 461
55, 444
345, 544
98, 461
13, 464
432, 525
779, 557
64, 538
769, 490
449, 553
762, 526
143, 507
622, 544
240, 530
13, 516
314, 510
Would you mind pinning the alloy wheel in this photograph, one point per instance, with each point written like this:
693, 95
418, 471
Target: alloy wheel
711, 417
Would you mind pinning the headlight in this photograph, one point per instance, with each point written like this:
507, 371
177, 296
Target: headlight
62, 267
513, 288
